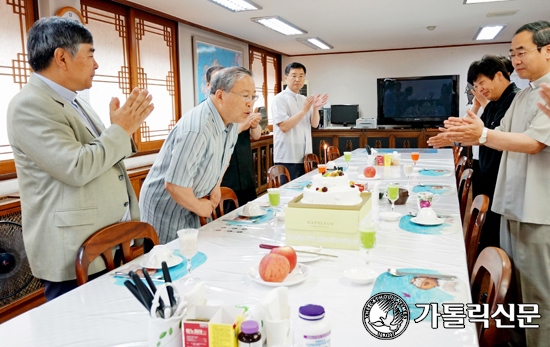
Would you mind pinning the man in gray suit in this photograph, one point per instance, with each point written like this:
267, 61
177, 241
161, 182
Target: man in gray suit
70, 172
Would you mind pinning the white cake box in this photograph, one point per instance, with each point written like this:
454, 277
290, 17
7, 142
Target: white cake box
330, 226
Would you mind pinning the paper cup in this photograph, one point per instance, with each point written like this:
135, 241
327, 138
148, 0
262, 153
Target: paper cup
278, 333
165, 332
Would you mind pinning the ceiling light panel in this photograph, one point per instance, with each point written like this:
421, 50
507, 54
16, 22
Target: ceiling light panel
237, 5
468, 2
488, 32
280, 25
315, 43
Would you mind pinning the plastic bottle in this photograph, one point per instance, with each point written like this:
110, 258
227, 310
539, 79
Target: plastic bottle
250, 335
313, 329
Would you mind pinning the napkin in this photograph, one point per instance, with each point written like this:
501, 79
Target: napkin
196, 296
275, 304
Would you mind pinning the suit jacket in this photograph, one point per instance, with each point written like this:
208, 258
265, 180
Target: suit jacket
71, 182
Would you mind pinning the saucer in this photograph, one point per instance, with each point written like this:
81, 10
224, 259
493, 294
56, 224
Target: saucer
242, 214
359, 275
175, 261
390, 216
438, 222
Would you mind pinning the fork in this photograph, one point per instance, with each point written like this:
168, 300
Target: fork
398, 273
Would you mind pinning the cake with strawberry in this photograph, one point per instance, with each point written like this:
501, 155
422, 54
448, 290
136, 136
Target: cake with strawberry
331, 188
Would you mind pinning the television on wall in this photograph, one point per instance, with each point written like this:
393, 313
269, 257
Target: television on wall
417, 101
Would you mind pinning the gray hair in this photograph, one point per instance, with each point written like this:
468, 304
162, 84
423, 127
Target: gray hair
541, 32
226, 78
48, 34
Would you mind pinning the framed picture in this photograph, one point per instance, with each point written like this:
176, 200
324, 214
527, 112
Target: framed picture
207, 53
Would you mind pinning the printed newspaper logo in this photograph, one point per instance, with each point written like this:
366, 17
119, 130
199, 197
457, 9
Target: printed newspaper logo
386, 316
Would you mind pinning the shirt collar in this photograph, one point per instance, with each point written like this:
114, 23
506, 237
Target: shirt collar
217, 118
65, 93
505, 93
290, 92
543, 79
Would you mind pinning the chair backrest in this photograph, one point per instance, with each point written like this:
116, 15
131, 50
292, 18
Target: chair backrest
309, 159
460, 165
478, 213
333, 153
463, 190
494, 263
226, 194
274, 175
457, 151
101, 243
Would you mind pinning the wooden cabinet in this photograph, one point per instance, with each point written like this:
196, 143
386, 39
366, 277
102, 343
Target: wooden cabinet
350, 139
262, 157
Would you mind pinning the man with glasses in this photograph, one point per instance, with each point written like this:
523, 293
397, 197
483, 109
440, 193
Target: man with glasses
522, 194
293, 116
194, 157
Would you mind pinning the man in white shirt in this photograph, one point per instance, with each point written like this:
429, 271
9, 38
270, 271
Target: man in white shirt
522, 193
293, 116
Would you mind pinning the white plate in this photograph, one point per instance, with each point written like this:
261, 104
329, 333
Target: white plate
306, 257
242, 214
390, 216
176, 260
438, 222
376, 177
299, 274
360, 275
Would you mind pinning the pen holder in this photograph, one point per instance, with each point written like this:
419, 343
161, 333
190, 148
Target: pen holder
165, 332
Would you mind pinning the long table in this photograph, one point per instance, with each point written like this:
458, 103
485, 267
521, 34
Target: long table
100, 313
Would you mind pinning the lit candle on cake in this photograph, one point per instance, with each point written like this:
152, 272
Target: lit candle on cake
325, 153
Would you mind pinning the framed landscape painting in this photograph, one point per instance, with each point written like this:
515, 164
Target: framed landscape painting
206, 54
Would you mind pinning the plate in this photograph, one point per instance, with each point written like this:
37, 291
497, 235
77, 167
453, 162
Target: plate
306, 257
438, 222
177, 260
242, 214
376, 177
299, 274
353, 168
359, 275
390, 216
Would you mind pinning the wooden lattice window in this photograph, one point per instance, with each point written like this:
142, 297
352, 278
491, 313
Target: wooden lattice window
266, 67
16, 18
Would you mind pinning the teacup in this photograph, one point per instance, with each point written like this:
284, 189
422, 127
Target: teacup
427, 215
252, 209
158, 254
426, 199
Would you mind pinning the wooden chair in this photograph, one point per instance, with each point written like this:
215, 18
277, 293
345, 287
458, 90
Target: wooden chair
101, 243
333, 153
460, 165
226, 194
308, 162
478, 212
457, 151
274, 176
463, 190
494, 264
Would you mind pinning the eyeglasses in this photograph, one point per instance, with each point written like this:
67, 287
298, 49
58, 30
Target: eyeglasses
247, 98
520, 55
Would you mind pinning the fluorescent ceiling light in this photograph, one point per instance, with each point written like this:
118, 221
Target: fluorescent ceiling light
237, 5
280, 25
467, 2
315, 43
488, 32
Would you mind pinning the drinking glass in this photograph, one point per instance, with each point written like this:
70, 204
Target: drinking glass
393, 194
414, 157
322, 168
367, 234
274, 197
188, 248
347, 157
408, 169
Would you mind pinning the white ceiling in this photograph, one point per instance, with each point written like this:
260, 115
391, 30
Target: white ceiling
359, 25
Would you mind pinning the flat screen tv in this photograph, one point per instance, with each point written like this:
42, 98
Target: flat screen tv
418, 101
344, 114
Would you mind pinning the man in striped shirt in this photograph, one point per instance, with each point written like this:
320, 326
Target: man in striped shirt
193, 159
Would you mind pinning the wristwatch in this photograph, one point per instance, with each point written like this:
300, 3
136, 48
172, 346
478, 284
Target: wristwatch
483, 137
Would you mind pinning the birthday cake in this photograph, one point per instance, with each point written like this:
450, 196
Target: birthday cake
331, 188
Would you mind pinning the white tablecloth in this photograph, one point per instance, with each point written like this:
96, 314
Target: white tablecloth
102, 314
